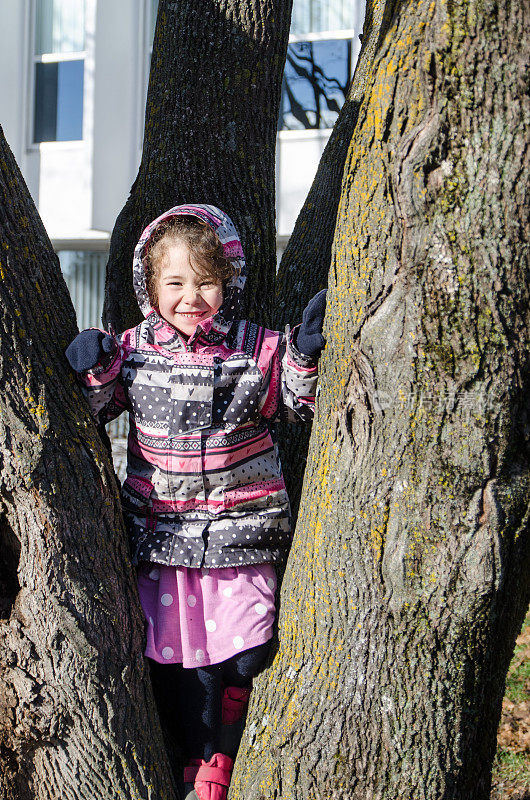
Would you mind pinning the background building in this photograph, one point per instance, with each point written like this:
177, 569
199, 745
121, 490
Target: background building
72, 98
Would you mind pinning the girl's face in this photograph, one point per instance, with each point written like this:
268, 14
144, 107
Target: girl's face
185, 298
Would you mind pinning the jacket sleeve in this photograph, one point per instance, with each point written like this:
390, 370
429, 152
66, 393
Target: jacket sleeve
102, 385
289, 388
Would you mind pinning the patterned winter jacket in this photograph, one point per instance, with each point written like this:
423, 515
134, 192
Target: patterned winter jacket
204, 484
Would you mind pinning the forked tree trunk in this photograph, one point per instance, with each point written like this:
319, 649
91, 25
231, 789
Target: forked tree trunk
210, 131
77, 720
408, 579
409, 575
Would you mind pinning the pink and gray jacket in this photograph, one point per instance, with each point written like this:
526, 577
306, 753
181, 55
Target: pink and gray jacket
204, 484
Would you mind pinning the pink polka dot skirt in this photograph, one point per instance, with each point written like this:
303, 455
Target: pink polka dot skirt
197, 617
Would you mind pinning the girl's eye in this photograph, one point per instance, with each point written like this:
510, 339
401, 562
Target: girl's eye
207, 283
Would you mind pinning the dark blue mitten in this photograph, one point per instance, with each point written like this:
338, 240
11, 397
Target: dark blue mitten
309, 339
89, 348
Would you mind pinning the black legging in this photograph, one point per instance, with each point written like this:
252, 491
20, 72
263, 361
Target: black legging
190, 699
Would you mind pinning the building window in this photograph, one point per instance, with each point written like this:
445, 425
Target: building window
59, 65
319, 62
315, 83
310, 16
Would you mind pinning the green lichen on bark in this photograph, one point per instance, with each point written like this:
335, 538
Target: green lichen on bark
408, 577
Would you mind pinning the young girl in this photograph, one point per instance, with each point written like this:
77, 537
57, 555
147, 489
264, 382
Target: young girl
204, 500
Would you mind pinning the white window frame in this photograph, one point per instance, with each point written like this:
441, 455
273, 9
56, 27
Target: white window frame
51, 58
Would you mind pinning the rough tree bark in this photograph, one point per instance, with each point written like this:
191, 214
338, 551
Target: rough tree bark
408, 579
77, 712
305, 264
210, 131
77, 719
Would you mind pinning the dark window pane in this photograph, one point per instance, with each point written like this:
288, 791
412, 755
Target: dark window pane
59, 101
45, 102
315, 83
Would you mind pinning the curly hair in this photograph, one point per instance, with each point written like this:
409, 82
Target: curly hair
207, 256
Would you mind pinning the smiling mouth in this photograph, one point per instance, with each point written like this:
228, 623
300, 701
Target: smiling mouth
191, 313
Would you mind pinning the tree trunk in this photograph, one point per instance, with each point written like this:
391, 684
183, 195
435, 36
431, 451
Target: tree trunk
210, 131
306, 261
408, 579
77, 718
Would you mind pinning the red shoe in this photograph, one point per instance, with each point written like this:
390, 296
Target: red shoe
235, 701
212, 778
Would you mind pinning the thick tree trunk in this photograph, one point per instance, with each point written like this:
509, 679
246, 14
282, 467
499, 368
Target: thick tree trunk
408, 578
77, 719
210, 131
306, 261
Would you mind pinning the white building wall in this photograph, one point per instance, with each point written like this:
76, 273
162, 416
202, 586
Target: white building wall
297, 159
81, 186
13, 72
59, 174
62, 172
118, 105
